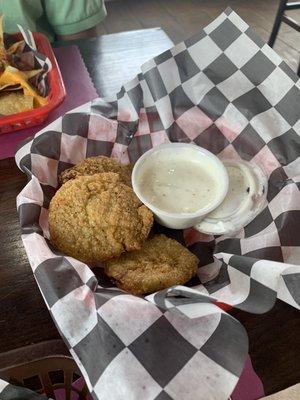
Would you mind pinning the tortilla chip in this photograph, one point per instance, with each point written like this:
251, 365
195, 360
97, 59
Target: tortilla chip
13, 76
9, 87
15, 48
17, 73
15, 102
32, 73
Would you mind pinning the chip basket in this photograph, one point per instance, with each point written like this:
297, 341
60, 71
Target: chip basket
57, 92
44, 369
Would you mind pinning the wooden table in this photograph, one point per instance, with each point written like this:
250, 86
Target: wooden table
274, 337
113, 60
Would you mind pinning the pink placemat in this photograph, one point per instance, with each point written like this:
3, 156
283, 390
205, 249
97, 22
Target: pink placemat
249, 386
79, 88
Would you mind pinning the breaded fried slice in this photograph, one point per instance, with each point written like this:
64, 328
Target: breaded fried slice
96, 165
97, 217
159, 264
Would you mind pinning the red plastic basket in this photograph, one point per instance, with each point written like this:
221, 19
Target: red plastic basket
57, 92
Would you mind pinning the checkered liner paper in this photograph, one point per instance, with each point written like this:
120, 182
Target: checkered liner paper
28, 58
223, 89
12, 392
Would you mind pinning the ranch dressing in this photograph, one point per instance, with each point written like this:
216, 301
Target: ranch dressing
245, 199
238, 192
178, 182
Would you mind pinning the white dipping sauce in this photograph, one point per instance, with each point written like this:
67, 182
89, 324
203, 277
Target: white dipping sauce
245, 199
238, 193
178, 182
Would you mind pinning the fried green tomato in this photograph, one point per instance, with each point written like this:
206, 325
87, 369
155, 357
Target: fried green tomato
97, 217
159, 264
96, 165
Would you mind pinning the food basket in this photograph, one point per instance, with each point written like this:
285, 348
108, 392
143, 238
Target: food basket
57, 92
225, 90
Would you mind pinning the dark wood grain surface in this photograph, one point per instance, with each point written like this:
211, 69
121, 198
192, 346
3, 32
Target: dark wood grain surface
274, 345
274, 337
180, 19
24, 318
115, 59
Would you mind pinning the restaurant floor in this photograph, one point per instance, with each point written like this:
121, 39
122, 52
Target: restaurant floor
182, 18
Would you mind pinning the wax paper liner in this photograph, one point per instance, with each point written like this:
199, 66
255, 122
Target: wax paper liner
13, 392
223, 89
27, 58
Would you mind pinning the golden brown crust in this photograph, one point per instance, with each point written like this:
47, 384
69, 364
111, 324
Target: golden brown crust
96, 165
159, 264
97, 217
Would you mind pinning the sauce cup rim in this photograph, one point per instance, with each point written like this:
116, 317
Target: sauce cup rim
201, 211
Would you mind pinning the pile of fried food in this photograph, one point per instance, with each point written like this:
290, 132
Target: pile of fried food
17, 94
96, 217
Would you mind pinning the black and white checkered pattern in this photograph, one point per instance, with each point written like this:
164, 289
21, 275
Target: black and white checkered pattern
225, 90
34, 60
12, 392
